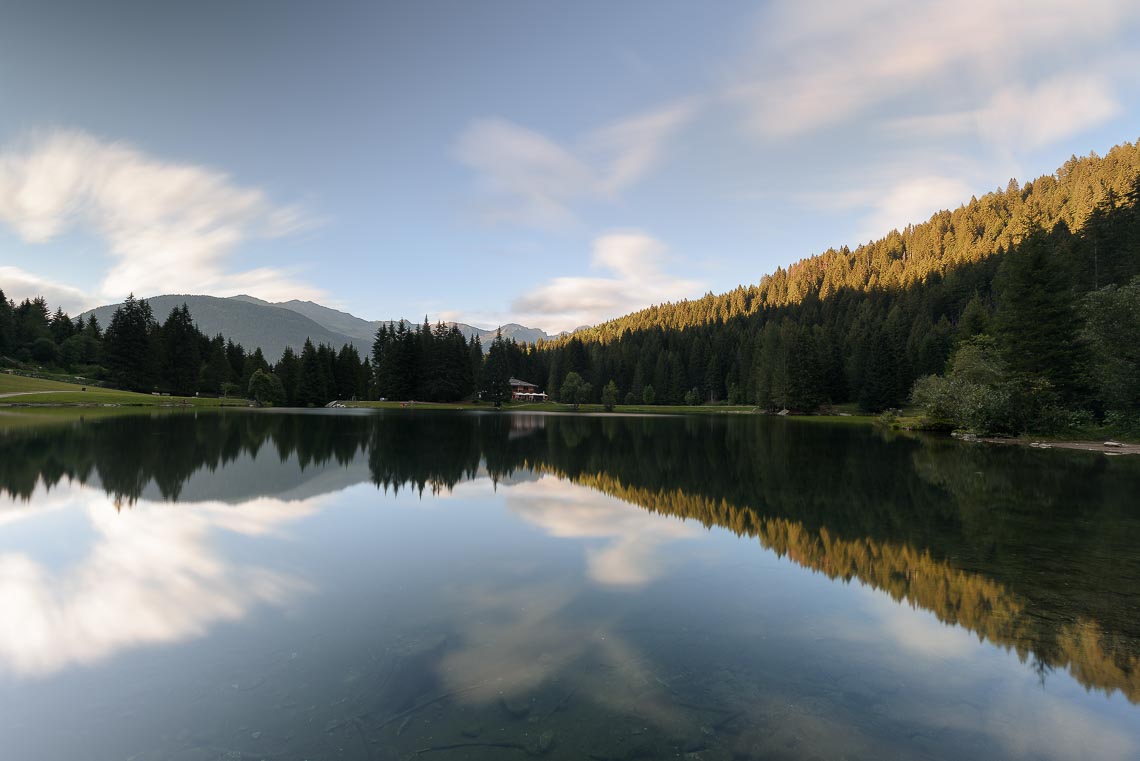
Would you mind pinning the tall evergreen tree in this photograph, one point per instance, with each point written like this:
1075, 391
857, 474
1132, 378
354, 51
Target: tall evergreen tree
181, 364
312, 390
288, 370
497, 372
1036, 321
130, 346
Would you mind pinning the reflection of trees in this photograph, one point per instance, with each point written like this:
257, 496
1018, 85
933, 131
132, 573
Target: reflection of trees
1031, 550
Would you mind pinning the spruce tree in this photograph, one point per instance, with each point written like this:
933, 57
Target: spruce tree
1036, 321
312, 390
181, 364
129, 346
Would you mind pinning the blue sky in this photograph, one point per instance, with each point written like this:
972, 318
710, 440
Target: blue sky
552, 164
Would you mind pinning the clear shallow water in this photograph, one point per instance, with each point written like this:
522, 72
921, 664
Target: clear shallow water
372, 586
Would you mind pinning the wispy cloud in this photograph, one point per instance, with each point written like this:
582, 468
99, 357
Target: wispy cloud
636, 279
167, 226
530, 179
1026, 116
823, 64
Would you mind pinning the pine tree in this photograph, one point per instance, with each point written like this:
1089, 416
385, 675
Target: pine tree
1036, 321
497, 372
181, 364
288, 370
130, 347
311, 388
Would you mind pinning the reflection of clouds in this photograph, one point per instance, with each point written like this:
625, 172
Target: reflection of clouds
522, 641
1037, 725
1021, 718
152, 576
531, 640
566, 510
920, 631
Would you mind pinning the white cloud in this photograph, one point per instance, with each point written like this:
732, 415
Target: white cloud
167, 226
1029, 117
532, 180
822, 64
637, 281
19, 284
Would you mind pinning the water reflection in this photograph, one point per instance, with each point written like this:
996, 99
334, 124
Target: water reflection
537, 611
152, 577
634, 550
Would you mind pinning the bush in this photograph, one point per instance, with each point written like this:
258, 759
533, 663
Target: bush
648, 395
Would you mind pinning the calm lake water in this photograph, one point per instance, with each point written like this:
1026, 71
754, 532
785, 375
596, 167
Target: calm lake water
261, 585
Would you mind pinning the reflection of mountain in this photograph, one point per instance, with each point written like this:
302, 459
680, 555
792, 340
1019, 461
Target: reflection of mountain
1032, 550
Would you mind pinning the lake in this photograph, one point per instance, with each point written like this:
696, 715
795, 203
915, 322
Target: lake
395, 585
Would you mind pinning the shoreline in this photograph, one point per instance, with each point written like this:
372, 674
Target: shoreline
1109, 447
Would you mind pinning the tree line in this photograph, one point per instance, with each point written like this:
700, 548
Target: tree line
138, 353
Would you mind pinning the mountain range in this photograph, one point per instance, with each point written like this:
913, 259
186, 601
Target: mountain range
253, 322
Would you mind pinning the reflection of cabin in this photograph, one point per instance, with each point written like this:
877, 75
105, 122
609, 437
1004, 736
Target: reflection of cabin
525, 425
522, 391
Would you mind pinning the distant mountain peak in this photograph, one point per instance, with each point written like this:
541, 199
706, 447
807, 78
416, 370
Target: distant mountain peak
255, 322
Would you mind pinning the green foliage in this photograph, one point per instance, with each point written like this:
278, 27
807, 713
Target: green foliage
983, 394
181, 363
648, 395
1036, 321
610, 396
216, 371
312, 386
265, 388
574, 390
130, 346
429, 364
497, 371
1112, 329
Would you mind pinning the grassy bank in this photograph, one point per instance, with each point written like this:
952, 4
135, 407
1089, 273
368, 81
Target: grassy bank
20, 391
17, 390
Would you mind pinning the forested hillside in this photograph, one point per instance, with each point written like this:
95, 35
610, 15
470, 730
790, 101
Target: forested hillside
1011, 271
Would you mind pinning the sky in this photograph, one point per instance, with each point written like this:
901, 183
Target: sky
515, 161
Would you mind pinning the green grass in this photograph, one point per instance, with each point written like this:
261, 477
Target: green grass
57, 394
637, 409
18, 383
